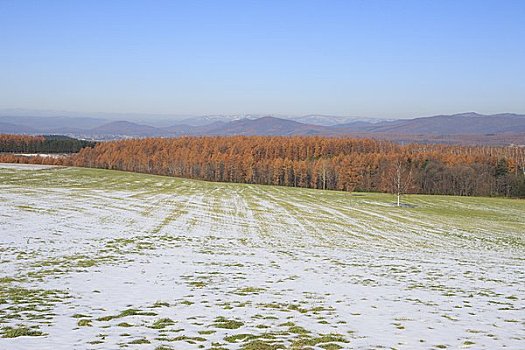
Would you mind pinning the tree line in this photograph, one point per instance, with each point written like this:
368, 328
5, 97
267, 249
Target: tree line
41, 144
347, 164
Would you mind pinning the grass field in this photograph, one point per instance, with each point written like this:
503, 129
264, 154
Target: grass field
96, 259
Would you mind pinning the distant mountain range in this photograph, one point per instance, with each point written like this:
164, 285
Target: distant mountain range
506, 128
464, 123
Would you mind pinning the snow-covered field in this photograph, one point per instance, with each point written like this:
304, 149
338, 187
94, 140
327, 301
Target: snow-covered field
94, 259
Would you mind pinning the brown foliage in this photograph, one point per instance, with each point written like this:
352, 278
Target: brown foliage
316, 162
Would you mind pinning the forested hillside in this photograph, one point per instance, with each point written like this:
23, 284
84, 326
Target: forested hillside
316, 162
41, 144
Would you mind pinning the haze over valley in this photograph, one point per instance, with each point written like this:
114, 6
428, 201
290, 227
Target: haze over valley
463, 128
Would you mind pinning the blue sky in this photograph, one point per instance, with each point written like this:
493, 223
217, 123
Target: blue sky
354, 58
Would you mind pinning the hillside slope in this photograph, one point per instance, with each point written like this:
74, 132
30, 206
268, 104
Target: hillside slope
105, 259
457, 124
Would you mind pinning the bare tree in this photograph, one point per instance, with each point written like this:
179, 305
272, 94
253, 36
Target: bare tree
400, 178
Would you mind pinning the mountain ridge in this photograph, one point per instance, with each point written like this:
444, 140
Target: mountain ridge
470, 124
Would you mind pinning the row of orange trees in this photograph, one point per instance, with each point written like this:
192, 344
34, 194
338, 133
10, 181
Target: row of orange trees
316, 162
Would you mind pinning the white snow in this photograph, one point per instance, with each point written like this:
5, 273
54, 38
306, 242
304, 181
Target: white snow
15, 166
329, 262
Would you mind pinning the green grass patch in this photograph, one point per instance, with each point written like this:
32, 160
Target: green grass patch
21, 331
222, 322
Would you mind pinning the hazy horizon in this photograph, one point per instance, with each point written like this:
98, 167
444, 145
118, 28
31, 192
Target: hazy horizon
160, 117
373, 59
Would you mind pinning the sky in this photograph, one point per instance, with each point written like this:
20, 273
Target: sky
390, 59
